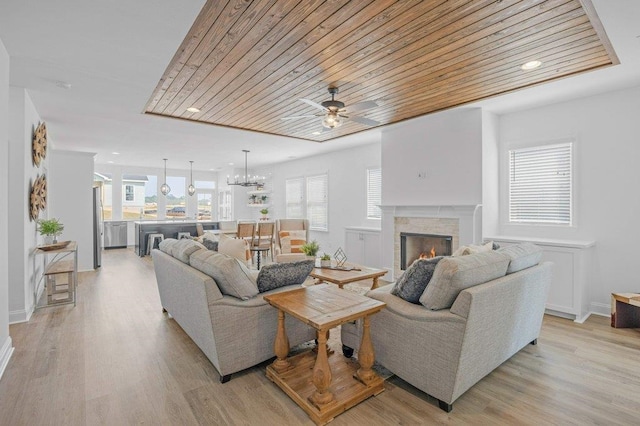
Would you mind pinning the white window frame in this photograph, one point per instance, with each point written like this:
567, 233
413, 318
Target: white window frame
505, 203
126, 192
289, 202
374, 200
313, 203
225, 194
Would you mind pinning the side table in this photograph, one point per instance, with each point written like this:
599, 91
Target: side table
56, 262
625, 310
322, 384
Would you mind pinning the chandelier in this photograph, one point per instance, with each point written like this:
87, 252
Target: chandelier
257, 181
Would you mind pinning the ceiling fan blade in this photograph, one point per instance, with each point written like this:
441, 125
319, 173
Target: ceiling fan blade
361, 106
314, 104
364, 120
293, 117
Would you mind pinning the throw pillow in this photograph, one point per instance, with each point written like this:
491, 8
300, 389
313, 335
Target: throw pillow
471, 249
454, 274
235, 247
210, 244
292, 241
231, 275
184, 248
521, 256
277, 275
166, 245
415, 279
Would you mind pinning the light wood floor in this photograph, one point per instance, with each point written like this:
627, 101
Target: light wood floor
116, 359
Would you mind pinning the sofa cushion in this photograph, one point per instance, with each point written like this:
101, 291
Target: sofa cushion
522, 256
282, 274
184, 248
210, 244
166, 245
415, 279
231, 275
292, 241
454, 274
235, 247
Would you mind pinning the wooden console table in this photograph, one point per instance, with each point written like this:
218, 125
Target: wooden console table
307, 378
625, 310
62, 261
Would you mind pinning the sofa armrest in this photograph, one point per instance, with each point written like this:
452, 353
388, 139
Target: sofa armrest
410, 310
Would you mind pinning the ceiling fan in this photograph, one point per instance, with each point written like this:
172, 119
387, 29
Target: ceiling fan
335, 113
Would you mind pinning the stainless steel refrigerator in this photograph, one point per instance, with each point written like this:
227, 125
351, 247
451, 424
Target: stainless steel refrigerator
98, 224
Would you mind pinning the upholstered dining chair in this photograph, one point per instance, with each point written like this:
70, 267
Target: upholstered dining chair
290, 225
264, 236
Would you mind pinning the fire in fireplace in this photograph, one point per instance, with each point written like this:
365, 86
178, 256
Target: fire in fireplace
422, 246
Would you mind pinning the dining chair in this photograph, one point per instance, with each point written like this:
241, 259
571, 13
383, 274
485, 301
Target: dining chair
265, 236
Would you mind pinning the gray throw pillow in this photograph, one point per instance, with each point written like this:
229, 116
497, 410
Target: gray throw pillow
277, 275
184, 248
522, 256
415, 279
210, 244
233, 278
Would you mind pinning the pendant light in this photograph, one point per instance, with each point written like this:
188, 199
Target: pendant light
191, 189
165, 189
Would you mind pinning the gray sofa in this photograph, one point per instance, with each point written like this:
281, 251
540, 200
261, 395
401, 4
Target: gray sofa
233, 333
444, 352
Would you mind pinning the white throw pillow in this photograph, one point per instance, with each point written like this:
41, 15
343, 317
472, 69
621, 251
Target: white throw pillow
471, 249
234, 247
292, 241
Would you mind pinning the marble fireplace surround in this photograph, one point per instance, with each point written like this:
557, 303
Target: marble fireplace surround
462, 223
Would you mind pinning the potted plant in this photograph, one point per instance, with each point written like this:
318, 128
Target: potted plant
263, 198
311, 248
325, 260
253, 198
50, 228
264, 212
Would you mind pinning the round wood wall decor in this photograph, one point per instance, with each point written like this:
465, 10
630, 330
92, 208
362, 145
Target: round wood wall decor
39, 145
38, 197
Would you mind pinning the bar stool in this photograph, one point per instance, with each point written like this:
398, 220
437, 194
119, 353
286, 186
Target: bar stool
182, 235
151, 241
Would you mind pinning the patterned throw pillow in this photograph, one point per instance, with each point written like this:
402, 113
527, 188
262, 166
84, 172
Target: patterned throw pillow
210, 244
292, 241
415, 279
277, 275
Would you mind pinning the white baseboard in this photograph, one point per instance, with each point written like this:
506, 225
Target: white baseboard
22, 315
602, 309
583, 318
5, 354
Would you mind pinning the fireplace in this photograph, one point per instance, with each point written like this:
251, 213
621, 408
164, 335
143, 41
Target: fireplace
414, 246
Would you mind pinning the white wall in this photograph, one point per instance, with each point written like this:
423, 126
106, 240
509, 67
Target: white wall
6, 347
606, 129
71, 200
24, 268
490, 173
347, 176
447, 146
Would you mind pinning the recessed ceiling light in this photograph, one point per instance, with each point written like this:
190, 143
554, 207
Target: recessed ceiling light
63, 85
115, 153
110, 162
315, 133
193, 109
531, 65
231, 164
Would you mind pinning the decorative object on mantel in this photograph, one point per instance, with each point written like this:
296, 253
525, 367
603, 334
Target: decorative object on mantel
50, 229
37, 197
341, 257
165, 189
192, 189
39, 144
256, 181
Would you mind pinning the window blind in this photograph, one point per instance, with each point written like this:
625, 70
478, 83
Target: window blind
540, 184
293, 196
317, 206
374, 193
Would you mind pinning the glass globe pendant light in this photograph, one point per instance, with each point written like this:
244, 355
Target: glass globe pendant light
191, 189
165, 189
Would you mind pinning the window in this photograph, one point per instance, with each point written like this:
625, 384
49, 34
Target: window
374, 193
205, 194
317, 205
128, 192
540, 184
293, 195
176, 200
225, 205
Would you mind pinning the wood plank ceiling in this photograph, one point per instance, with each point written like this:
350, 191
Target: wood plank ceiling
247, 64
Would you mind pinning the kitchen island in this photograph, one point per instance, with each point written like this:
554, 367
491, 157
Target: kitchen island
168, 228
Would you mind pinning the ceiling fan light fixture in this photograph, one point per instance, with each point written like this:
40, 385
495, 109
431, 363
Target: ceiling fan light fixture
332, 120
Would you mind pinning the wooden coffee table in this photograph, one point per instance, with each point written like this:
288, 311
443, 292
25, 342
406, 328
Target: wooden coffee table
307, 377
340, 278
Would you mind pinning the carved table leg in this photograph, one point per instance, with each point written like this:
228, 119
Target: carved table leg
321, 374
375, 283
281, 346
366, 356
